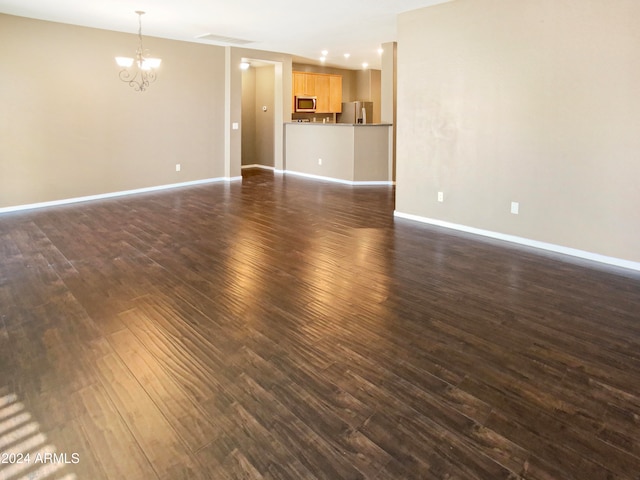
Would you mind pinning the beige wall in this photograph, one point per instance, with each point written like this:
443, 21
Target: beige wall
306, 143
233, 107
388, 95
249, 116
265, 120
388, 84
258, 126
369, 90
347, 152
534, 101
70, 128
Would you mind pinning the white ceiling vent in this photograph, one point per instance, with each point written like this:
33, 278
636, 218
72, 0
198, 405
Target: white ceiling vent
222, 39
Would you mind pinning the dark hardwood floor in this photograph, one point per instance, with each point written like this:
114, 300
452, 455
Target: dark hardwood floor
282, 328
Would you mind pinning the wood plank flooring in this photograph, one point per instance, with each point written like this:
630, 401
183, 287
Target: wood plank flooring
284, 328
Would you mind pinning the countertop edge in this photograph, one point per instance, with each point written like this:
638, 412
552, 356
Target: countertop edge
341, 124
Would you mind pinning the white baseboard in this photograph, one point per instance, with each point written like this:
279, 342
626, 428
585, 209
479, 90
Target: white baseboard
255, 165
337, 180
618, 262
102, 196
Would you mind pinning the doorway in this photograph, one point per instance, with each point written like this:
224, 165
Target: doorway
258, 114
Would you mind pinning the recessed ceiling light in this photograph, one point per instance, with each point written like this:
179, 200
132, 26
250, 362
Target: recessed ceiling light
322, 59
365, 65
325, 53
347, 55
381, 51
245, 65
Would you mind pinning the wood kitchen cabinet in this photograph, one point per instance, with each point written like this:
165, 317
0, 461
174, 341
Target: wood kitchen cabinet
322, 93
304, 84
326, 87
335, 93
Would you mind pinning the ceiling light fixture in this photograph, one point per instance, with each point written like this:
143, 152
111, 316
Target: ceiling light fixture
245, 65
325, 53
365, 65
144, 73
347, 55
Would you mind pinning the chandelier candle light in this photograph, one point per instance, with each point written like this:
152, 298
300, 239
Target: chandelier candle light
144, 74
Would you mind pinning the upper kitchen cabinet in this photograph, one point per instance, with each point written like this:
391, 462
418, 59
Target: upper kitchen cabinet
326, 87
322, 94
335, 93
304, 84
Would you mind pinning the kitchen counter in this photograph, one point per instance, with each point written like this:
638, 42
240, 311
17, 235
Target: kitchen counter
344, 152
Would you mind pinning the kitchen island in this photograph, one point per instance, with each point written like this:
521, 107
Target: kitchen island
343, 152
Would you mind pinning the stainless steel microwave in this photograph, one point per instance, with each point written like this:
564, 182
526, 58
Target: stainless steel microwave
306, 104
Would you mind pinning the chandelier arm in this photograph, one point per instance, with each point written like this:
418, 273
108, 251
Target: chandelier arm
143, 75
139, 81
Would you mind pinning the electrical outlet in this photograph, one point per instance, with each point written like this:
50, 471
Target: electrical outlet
178, 167
319, 161
515, 208
441, 196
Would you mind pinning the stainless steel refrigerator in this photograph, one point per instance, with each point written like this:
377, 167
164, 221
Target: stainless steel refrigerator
356, 112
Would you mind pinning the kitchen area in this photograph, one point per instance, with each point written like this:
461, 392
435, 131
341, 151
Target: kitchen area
335, 131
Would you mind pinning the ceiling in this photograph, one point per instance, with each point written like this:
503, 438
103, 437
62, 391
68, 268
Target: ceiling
302, 29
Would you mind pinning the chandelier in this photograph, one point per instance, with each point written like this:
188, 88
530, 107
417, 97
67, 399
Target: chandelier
138, 72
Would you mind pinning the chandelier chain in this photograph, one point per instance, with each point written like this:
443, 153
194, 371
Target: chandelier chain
143, 69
